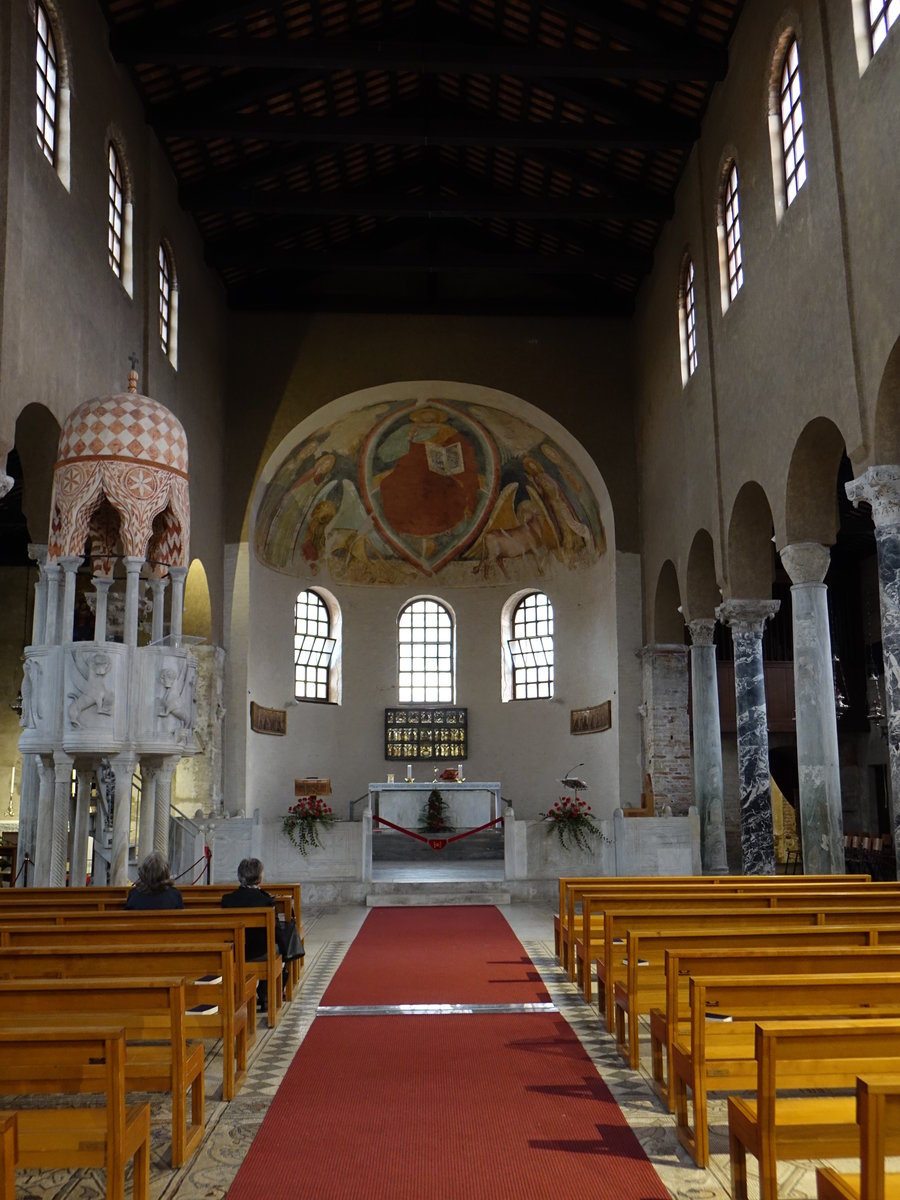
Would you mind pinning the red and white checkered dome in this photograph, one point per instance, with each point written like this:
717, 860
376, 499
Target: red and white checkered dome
128, 427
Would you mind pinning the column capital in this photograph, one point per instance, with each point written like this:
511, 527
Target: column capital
747, 616
37, 552
806, 562
702, 631
880, 487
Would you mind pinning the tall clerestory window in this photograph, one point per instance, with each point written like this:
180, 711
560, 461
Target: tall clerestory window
46, 84
882, 15
313, 647
116, 212
687, 321
531, 648
168, 305
733, 275
792, 137
425, 654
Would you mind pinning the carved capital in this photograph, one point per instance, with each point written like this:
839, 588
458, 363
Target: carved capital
747, 616
880, 487
702, 631
806, 562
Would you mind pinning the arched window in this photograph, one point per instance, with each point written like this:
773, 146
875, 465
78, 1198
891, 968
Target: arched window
168, 305
882, 15
313, 647
46, 84
116, 217
792, 139
425, 659
687, 321
730, 233
531, 648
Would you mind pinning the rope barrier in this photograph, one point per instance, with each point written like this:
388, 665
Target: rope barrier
24, 867
206, 859
437, 843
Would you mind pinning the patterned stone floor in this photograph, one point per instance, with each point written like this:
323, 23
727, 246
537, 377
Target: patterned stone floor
328, 933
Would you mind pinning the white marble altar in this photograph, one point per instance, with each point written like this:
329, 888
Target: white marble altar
470, 804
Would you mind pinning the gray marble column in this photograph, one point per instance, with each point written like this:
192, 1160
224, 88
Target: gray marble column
70, 565
821, 824
709, 788
158, 585
62, 792
133, 566
81, 827
176, 612
163, 805
746, 619
149, 776
43, 834
102, 584
123, 769
880, 487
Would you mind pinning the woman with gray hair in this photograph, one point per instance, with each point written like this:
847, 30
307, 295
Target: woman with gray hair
154, 887
251, 895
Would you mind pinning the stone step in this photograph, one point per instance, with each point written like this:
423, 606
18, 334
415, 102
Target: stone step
388, 846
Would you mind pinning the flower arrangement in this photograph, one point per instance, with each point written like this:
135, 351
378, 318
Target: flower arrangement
573, 822
303, 822
434, 814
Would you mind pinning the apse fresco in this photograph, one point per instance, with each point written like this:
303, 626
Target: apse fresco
396, 492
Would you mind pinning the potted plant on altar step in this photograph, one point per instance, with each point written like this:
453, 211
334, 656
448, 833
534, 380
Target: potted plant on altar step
304, 821
434, 818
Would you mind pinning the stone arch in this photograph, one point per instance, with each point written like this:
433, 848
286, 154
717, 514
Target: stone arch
811, 508
750, 547
702, 591
197, 619
887, 412
668, 623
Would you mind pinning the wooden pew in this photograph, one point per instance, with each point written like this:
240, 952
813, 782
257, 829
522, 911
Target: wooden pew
588, 944
878, 1116
53, 956
158, 1056
58, 1060
778, 1124
640, 967
235, 919
719, 1054
673, 1021
9, 1154
567, 925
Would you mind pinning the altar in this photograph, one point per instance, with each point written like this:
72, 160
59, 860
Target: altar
469, 805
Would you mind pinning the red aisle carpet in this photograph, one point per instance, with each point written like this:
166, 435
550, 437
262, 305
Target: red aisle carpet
442, 1107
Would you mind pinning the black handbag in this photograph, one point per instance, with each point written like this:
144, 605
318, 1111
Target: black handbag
288, 939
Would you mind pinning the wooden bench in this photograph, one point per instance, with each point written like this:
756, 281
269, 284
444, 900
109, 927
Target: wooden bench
57, 1060
802, 957
158, 1056
719, 1052
8, 1155
778, 1124
567, 924
878, 1116
639, 967
211, 1012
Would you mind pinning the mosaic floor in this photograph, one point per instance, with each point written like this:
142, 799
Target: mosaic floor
328, 933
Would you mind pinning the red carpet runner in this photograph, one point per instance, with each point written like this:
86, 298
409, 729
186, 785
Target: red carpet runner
442, 1107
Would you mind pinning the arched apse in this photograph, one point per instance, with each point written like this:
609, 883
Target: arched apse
811, 509
197, 619
750, 546
887, 412
668, 623
37, 439
702, 590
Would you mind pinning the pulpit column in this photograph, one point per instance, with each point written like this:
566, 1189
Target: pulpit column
53, 573
70, 565
38, 554
123, 769
133, 566
62, 791
747, 619
709, 788
146, 841
81, 827
176, 613
880, 487
817, 743
102, 584
43, 834
163, 805
158, 585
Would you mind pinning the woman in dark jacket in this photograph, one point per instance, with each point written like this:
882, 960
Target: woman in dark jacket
154, 887
251, 895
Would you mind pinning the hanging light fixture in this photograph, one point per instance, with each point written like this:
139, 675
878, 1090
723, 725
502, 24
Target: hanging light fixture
841, 705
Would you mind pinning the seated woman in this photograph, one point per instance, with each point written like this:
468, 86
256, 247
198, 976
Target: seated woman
154, 887
251, 895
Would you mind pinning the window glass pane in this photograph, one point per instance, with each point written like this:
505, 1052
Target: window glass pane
792, 125
45, 85
732, 214
116, 210
313, 648
531, 648
425, 654
164, 298
690, 319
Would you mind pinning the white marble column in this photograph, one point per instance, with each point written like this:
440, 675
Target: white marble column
70, 564
149, 776
81, 826
821, 824
163, 805
102, 584
43, 834
29, 800
53, 573
158, 585
709, 787
133, 566
38, 554
176, 613
746, 619
62, 792
880, 487
123, 769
